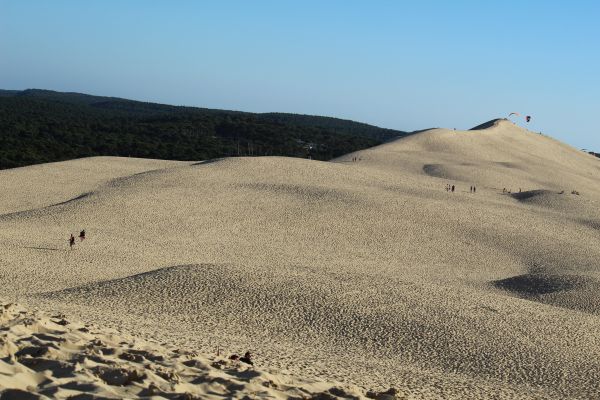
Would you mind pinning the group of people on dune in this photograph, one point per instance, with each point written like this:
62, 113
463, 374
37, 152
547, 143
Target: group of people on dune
72, 238
452, 188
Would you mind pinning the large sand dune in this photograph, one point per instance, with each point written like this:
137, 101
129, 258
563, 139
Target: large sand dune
366, 271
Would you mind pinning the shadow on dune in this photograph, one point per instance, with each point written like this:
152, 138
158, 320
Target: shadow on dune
489, 124
591, 223
528, 285
532, 194
34, 210
81, 196
435, 170
212, 160
44, 248
580, 293
506, 164
566, 202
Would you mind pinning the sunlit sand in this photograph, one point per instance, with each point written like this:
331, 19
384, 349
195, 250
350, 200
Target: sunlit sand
365, 272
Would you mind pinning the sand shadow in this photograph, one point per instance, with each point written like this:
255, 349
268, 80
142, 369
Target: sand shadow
531, 285
435, 170
59, 369
531, 194
204, 162
44, 248
591, 223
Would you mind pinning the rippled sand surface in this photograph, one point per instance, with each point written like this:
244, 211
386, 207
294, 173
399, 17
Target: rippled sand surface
367, 272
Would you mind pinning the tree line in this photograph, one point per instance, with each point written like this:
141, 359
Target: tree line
38, 126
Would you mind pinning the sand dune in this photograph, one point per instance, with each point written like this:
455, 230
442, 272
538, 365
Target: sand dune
44, 357
44, 185
367, 272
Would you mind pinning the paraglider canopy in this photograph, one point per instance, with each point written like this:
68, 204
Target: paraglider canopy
514, 113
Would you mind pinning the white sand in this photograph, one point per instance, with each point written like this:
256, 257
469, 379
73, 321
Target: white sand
365, 272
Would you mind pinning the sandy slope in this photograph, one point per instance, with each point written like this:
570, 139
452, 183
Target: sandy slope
44, 185
44, 357
368, 271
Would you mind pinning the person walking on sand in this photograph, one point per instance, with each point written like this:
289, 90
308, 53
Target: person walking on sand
82, 235
452, 188
71, 241
474, 189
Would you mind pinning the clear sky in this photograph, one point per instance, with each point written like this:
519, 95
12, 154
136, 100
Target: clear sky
398, 64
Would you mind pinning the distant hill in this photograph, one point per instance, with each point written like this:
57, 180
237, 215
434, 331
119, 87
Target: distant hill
39, 126
8, 93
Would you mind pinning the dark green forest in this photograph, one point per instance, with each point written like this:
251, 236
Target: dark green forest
38, 126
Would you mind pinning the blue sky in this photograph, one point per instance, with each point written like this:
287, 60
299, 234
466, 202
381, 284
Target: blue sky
398, 64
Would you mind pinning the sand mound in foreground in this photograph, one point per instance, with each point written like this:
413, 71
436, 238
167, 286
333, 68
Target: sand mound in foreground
335, 315
43, 357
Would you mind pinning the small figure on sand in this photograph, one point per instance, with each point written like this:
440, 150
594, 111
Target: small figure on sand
452, 188
471, 189
72, 241
82, 235
474, 189
247, 358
